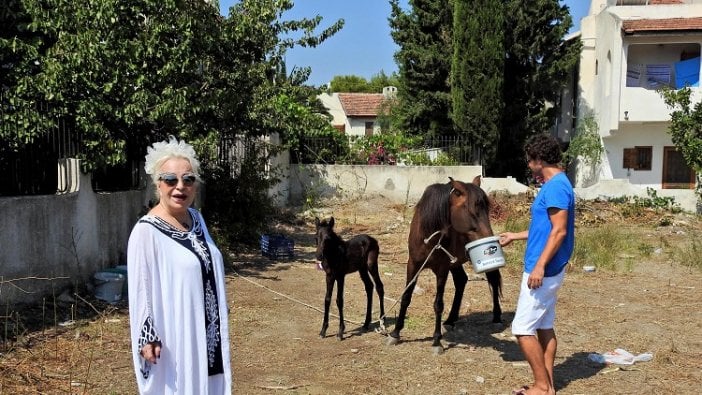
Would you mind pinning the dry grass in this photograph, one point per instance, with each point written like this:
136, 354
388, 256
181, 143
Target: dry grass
645, 296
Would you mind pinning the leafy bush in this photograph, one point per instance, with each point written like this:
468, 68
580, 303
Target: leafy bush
444, 159
634, 206
586, 143
657, 202
238, 208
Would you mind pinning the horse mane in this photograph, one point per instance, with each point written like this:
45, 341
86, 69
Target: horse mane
433, 208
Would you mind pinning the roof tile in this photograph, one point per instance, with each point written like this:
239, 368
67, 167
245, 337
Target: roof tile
639, 25
361, 104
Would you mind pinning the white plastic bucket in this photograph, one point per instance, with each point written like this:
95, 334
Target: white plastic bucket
485, 254
108, 286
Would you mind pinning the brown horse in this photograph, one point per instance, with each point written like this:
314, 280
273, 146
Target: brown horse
339, 258
446, 218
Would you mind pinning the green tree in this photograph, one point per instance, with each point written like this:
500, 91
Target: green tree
382, 80
21, 57
127, 70
537, 63
130, 72
476, 75
355, 83
349, 83
138, 70
686, 129
267, 100
423, 34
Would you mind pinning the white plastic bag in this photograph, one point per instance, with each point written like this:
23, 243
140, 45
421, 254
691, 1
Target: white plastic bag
619, 357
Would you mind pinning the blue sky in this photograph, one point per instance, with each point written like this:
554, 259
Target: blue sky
364, 46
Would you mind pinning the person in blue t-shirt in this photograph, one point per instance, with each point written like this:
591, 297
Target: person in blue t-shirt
549, 245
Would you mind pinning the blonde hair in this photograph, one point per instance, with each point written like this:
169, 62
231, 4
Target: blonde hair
160, 152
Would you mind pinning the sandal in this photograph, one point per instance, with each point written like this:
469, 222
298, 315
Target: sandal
521, 391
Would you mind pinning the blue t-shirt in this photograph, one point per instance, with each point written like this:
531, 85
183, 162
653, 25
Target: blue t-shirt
556, 193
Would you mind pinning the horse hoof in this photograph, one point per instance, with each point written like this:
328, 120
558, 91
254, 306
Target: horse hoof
437, 350
392, 341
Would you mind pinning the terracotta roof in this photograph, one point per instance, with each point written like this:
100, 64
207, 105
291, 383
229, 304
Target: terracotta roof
640, 25
361, 104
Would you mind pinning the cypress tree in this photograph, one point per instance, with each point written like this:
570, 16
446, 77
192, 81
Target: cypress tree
537, 64
424, 61
476, 75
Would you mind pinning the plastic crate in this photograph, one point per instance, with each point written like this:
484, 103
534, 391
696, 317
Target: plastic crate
277, 246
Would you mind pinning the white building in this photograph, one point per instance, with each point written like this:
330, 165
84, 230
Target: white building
630, 49
355, 114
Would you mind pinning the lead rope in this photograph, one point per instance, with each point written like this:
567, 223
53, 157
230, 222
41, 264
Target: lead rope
381, 329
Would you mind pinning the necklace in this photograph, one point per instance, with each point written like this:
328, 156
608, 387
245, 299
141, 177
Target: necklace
179, 223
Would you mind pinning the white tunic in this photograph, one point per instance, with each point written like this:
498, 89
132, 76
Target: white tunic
168, 302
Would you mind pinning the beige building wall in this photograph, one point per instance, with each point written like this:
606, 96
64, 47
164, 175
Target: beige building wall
627, 116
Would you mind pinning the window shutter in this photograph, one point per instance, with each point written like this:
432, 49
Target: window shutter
631, 158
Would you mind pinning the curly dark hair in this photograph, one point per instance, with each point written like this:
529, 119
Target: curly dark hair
543, 147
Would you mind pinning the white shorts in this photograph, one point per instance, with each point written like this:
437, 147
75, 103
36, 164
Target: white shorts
536, 308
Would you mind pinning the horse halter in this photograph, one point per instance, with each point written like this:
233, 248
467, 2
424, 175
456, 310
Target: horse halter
439, 246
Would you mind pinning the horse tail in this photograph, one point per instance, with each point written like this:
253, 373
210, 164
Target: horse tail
494, 278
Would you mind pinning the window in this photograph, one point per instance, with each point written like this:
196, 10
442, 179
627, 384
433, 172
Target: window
638, 158
676, 173
369, 128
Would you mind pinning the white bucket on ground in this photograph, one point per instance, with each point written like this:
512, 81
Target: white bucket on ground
485, 254
108, 286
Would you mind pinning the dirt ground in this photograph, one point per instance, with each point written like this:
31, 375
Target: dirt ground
650, 305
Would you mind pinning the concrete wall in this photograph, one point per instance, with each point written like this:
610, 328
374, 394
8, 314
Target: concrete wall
401, 184
405, 184
50, 242
685, 198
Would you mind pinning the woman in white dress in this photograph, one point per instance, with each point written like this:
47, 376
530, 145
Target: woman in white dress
177, 300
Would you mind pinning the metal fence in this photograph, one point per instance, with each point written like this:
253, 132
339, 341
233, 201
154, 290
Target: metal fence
125, 176
32, 169
235, 151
